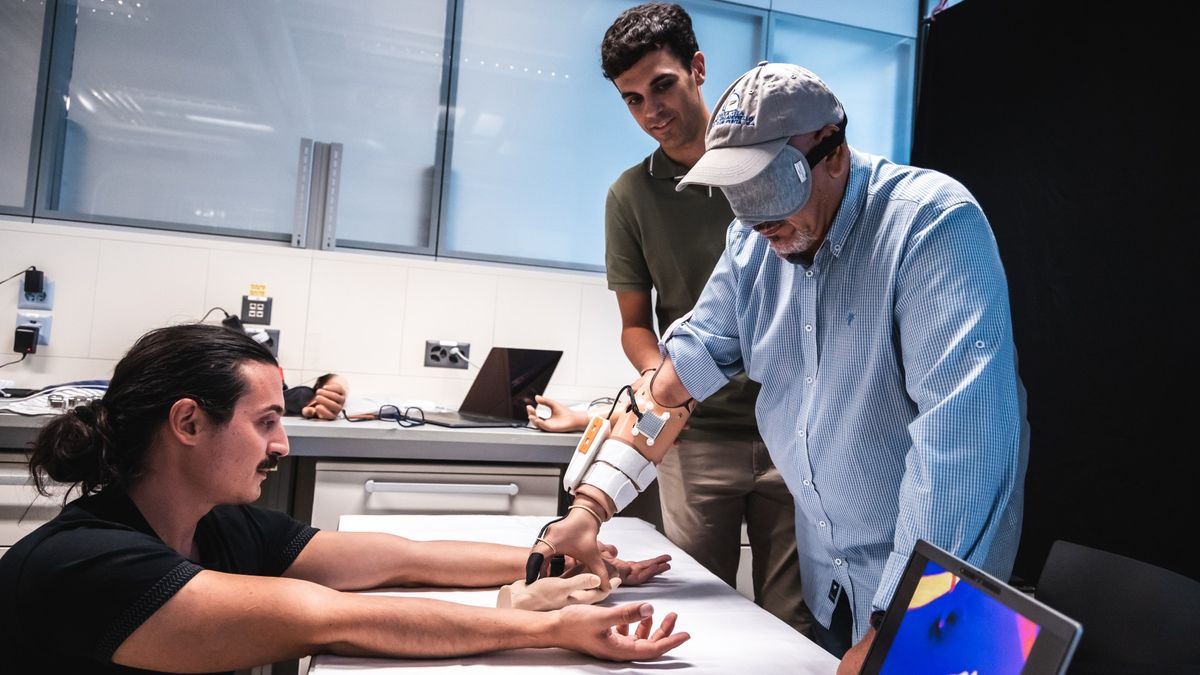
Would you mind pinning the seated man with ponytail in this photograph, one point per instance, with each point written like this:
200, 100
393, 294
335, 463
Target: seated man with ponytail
163, 565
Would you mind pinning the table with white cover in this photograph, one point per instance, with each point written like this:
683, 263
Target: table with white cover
729, 634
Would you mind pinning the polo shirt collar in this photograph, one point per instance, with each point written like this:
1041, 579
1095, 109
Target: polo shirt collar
662, 166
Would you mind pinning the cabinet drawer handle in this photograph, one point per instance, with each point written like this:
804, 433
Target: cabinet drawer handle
510, 489
14, 478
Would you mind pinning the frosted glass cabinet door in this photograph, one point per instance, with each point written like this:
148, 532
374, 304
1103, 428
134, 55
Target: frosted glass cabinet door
20, 60
190, 115
538, 134
870, 72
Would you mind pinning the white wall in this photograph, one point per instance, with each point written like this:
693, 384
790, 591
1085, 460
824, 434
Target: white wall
365, 315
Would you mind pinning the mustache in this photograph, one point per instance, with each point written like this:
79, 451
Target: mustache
270, 464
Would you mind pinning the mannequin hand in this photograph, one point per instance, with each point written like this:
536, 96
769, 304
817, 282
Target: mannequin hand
329, 399
562, 419
554, 592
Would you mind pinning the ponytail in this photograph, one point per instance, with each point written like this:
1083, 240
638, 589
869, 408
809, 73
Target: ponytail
75, 449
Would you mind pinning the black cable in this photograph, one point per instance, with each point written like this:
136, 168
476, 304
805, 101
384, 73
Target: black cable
31, 267
12, 362
632, 404
213, 310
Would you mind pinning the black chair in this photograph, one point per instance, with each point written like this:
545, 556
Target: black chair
1137, 618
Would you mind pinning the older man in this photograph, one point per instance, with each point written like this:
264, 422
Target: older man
869, 300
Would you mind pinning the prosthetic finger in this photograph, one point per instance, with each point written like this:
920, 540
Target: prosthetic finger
558, 564
533, 567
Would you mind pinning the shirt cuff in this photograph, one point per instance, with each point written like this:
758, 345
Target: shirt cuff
893, 570
697, 370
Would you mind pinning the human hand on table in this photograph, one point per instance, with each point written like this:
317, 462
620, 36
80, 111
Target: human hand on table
603, 632
633, 573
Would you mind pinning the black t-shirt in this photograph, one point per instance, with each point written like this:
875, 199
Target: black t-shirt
74, 589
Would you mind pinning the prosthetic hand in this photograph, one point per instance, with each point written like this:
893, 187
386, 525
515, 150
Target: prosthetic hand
554, 592
613, 463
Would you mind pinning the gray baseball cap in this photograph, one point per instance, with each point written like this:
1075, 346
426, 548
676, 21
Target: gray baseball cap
750, 128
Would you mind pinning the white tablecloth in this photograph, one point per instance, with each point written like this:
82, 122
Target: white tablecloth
729, 633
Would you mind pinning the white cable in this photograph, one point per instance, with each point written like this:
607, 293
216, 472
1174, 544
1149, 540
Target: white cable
455, 352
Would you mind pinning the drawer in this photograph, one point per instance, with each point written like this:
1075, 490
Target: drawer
22, 509
381, 488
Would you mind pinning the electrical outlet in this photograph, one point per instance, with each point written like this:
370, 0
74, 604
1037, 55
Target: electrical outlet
42, 300
437, 354
256, 310
40, 321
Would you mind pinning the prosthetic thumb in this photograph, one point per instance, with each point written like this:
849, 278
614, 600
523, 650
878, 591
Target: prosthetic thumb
553, 592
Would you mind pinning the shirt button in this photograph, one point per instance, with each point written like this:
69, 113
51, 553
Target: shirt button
808, 273
980, 344
837, 561
822, 523
803, 433
808, 327
837, 248
807, 481
808, 379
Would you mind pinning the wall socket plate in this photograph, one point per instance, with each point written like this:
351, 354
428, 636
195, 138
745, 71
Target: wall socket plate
256, 310
437, 354
43, 300
42, 321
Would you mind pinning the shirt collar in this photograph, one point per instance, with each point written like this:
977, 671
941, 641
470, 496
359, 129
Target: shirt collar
661, 166
852, 202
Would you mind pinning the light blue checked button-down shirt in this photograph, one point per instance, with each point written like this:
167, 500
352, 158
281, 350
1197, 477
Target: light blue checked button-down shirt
890, 399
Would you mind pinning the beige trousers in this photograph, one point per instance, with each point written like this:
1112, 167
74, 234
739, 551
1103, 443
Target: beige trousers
707, 488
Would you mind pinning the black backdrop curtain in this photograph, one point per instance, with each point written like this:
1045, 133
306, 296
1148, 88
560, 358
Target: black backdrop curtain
1068, 122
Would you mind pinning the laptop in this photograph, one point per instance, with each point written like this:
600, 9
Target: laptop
949, 617
506, 382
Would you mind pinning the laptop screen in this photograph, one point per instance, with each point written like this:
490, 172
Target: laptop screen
949, 617
508, 380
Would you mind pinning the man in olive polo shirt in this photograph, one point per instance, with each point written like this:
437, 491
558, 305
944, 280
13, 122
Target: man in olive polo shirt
668, 241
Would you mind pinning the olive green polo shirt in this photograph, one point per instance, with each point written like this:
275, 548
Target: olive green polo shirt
655, 237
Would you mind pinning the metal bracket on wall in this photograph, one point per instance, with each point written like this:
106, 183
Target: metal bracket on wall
317, 184
303, 185
333, 181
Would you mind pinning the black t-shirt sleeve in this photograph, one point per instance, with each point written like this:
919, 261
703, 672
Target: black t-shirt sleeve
251, 540
86, 590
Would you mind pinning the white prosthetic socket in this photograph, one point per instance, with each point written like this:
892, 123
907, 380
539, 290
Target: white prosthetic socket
618, 456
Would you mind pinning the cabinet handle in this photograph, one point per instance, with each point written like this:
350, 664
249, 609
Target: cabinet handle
510, 489
14, 478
